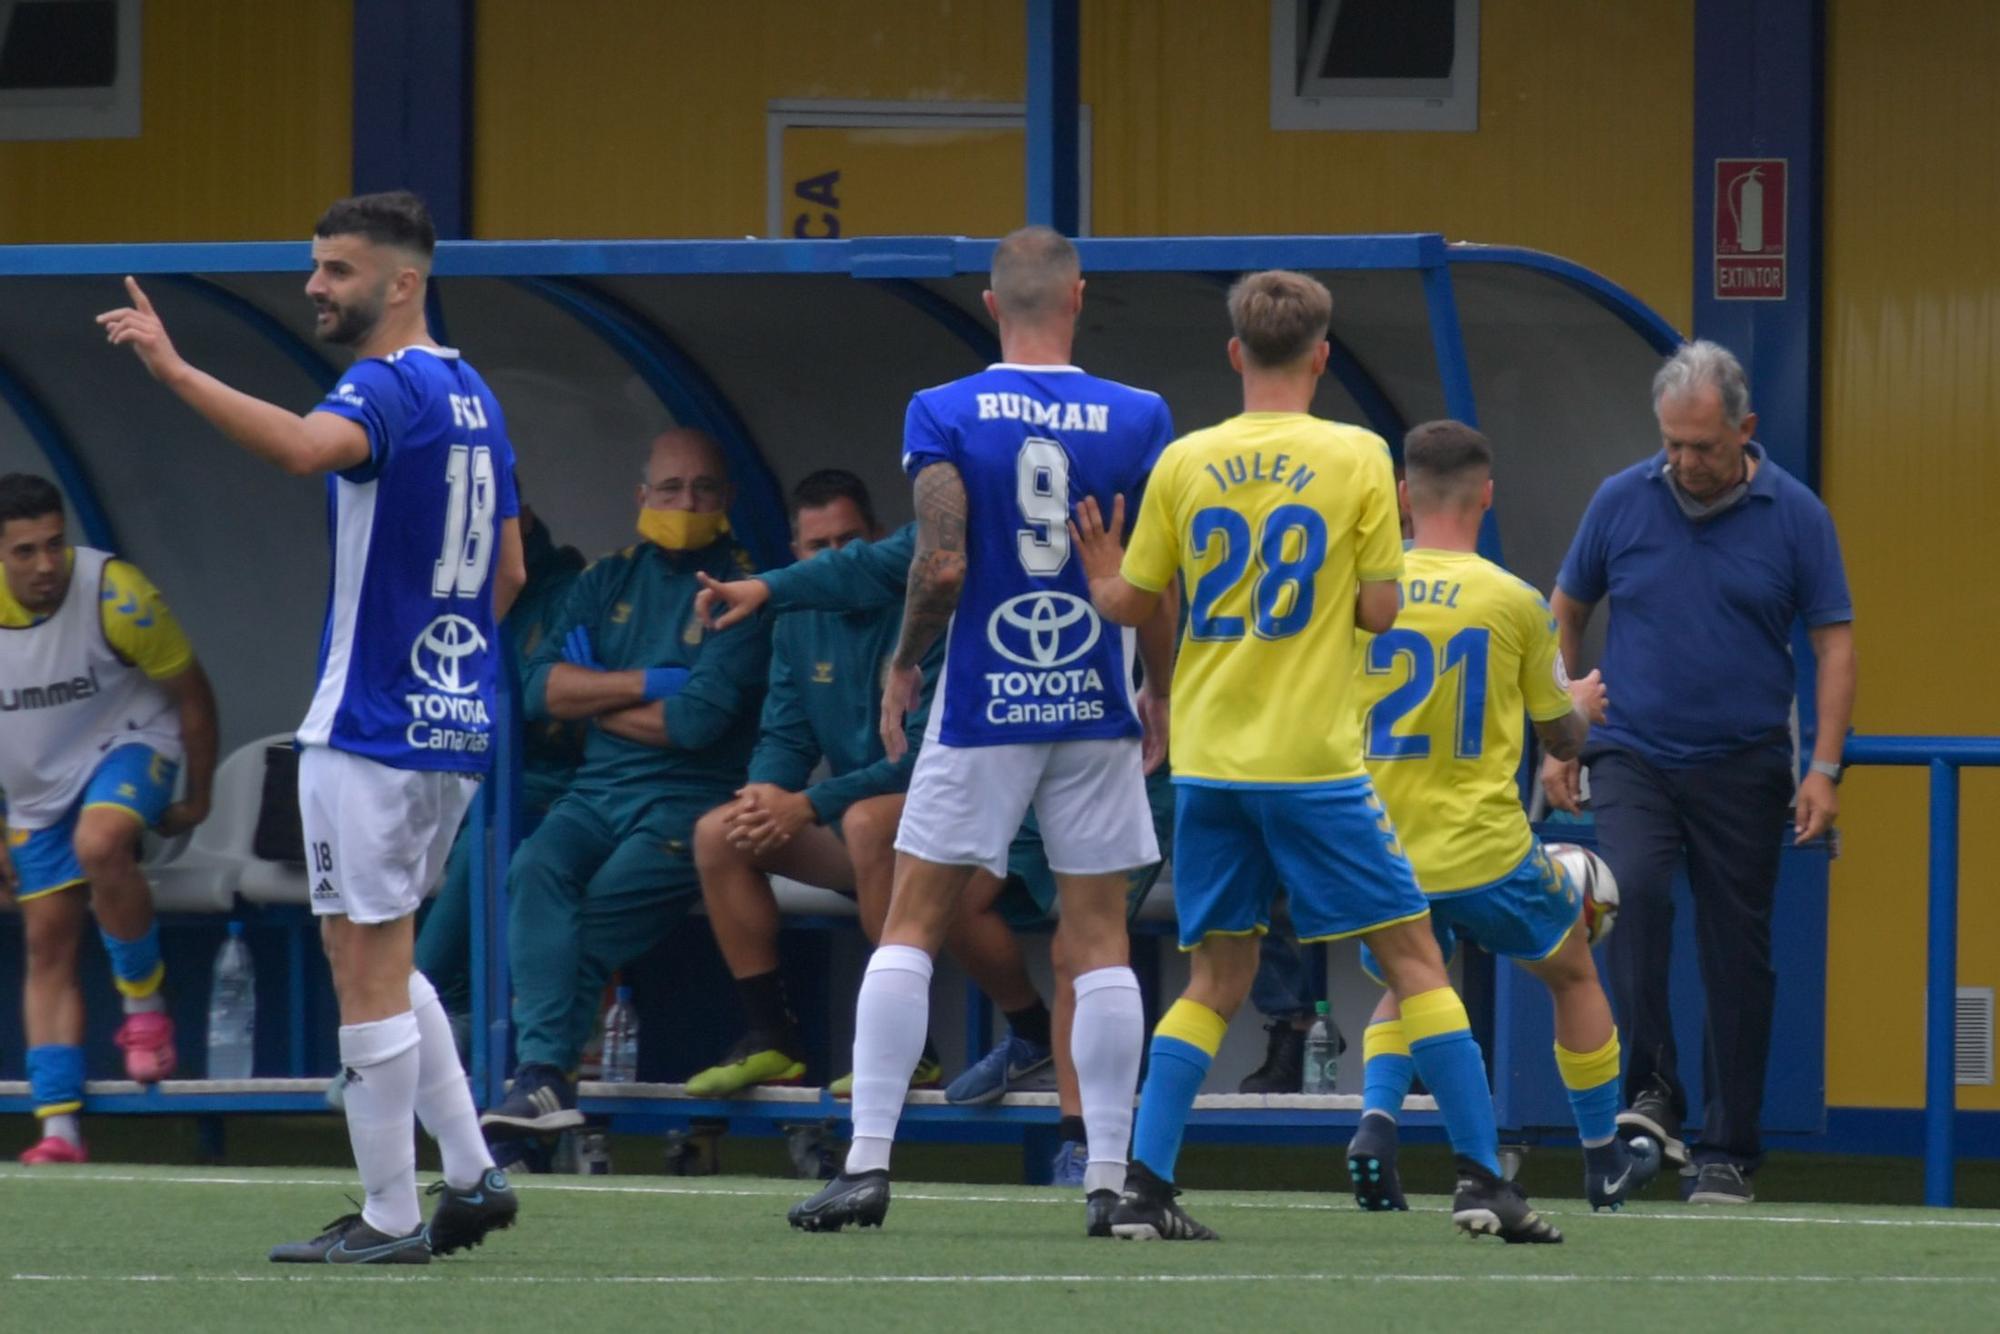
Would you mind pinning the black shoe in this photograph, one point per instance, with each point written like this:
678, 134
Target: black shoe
1613, 1173
1147, 1212
861, 1199
1097, 1210
1720, 1183
1652, 1113
525, 1157
1486, 1204
1371, 1165
542, 1101
1284, 1067
349, 1241
464, 1217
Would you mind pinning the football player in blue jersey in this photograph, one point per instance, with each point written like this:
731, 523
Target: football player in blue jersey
1035, 708
426, 560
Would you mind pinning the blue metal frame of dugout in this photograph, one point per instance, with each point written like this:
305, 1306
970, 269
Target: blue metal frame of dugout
575, 276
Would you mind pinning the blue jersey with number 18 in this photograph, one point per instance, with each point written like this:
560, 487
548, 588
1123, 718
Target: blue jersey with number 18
1028, 658
408, 655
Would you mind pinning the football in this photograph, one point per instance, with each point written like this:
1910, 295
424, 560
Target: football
1588, 873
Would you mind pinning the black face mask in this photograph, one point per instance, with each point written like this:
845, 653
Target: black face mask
1700, 510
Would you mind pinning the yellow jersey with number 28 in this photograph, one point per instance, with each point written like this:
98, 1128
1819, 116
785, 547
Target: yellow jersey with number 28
1271, 519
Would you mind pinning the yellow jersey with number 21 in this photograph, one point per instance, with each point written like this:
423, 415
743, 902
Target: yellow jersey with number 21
1271, 519
1473, 649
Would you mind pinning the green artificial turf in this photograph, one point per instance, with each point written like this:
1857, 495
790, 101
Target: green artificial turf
180, 1248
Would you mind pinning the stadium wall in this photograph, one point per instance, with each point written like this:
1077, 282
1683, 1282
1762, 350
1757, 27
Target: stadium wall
244, 134
1912, 408
659, 129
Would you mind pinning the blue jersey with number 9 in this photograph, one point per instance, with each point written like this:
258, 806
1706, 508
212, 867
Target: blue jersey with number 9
408, 655
1028, 658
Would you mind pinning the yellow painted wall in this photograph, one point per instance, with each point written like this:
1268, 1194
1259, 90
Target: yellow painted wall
1584, 145
1912, 473
617, 118
245, 133
624, 118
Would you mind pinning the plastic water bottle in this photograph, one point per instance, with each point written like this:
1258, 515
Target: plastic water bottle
1322, 1053
232, 1009
621, 1040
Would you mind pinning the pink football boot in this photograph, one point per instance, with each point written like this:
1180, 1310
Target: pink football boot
148, 1040
54, 1149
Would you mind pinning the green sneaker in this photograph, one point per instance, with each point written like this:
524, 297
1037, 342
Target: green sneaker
929, 1074
747, 1066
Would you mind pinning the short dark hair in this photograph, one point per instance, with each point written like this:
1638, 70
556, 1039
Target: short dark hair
1279, 316
828, 485
393, 217
26, 496
1445, 461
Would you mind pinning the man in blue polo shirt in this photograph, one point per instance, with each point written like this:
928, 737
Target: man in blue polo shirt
1710, 554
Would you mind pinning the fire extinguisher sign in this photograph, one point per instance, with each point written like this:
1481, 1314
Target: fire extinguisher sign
1750, 229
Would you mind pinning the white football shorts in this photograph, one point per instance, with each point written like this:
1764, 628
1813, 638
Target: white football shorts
376, 837
966, 804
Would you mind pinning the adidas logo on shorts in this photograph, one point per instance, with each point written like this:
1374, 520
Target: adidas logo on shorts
325, 890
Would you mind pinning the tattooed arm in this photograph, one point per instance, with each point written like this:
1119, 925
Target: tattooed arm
937, 573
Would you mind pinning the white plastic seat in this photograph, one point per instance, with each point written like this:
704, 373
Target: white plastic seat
795, 897
204, 871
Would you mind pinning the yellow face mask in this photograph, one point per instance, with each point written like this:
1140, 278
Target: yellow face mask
681, 530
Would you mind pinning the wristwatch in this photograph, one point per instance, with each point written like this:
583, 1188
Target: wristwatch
1828, 770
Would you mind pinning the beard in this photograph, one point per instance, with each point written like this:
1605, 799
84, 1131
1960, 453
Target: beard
351, 323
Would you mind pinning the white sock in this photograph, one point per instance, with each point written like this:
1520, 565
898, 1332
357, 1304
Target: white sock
444, 1102
1107, 1039
891, 1016
64, 1126
152, 1004
381, 1061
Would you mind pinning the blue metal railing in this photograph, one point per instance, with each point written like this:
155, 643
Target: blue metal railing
1944, 756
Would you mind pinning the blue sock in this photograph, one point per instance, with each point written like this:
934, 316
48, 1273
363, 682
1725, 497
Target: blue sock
55, 1078
1447, 1056
1456, 1073
1592, 1081
1387, 1068
1173, 1077
135, 964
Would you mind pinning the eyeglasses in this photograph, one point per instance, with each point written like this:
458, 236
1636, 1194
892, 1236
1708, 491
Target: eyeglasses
673, 488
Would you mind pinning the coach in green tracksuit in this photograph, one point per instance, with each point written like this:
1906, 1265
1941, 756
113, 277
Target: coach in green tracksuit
550, 751
673, 711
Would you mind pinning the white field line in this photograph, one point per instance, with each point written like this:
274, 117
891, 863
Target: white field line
319, 1274
784, 1191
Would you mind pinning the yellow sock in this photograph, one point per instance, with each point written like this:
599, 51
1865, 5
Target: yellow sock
1193, 1023
1433, 1014
1384, 1037
1587, 1070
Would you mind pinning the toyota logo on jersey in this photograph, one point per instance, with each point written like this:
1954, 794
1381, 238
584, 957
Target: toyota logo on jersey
438, 652
1046, 629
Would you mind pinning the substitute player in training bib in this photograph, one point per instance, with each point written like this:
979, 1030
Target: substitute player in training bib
100, 697
426, 553
1035, 708
1473, 651
1283, 529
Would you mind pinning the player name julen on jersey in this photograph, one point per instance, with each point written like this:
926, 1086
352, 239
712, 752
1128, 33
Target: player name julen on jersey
1035, 412
1281, 471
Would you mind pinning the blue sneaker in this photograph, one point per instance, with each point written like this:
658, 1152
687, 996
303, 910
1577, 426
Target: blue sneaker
989, 1078
1070, 1161
541, 1102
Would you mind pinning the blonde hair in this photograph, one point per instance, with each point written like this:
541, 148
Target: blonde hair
1279, 316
